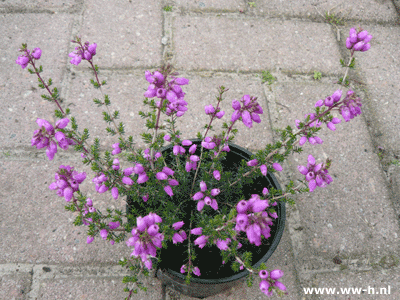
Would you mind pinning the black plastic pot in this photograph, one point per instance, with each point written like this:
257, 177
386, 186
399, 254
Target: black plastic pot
215, 276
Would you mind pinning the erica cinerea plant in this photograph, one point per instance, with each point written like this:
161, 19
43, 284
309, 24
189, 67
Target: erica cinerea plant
193, 173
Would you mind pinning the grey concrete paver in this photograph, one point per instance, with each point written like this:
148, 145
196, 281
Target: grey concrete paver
211, 5
338, 10
247, 44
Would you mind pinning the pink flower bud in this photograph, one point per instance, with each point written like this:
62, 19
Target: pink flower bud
103, 234
161, 176
277, 167
178, 225
114, 225
196, 271
215, 192
263, 274
186, 143
142, 178
89, 239
115, 193
127, 180
280, 285
192, 149
167, 137
198, 196
183, 269
252, 162
236, 105
276, 274
220, 114
217, 175
36, 53
209, 109
242, 206
168, 190
197, 231
203, 186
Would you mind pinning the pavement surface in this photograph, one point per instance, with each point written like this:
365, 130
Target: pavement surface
343, 236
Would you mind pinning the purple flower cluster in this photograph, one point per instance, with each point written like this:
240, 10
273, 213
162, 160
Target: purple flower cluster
171, 91
316, 175
104, 232
67, 182
207, 199
99, 181
44, 137
137, 169
252, 218
88, 209
202, 240
163, 175
83, 52
196, 270
23, 60
146, 238
180, 236
351, 106
270, 280
210, 110
358, 40
249, 112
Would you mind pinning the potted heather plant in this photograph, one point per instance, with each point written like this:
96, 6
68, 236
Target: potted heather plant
201, 210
